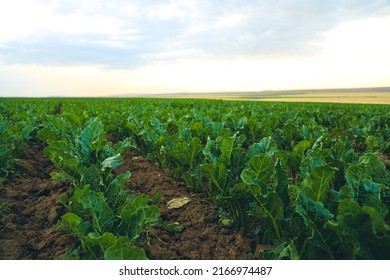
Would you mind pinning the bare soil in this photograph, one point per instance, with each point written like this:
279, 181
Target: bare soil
27, 231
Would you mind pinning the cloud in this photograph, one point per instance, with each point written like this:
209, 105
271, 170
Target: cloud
123, 34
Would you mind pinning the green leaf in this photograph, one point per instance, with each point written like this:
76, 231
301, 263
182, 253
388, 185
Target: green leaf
95, 203
123, 146
157, 124
136, 215
76, 224
270, 207
208, 150
281, 183
217, 174
112, 162
91, 176
362, 188
47, 135
226, 150
72, 220
261, 168
114, 192
74, 201
91, 139
356, 176
124, 250
315, 215
301, 147
377, 168
265, 146
316, 186
97, 244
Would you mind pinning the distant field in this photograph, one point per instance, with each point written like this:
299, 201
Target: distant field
338, 97
332, 96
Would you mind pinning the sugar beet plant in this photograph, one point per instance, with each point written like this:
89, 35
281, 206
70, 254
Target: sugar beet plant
106, 219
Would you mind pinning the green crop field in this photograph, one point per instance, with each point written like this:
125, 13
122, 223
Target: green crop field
299, 180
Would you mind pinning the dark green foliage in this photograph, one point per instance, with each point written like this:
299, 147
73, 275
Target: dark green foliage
309, 179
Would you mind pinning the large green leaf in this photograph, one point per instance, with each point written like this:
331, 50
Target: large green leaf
315, 216
281, 183
261, 169
218, 175
317, 184
301, 147
226, 150
72, 220
95, 203
208, 150
91, 140
362, 188
136, 215
265, 146
270, 207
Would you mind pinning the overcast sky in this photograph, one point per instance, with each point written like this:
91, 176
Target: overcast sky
96, 47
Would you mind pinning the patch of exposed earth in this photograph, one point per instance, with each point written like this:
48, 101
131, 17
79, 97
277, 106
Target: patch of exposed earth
32, 198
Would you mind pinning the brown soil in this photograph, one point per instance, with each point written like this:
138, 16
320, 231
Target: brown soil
27, 230
202, 237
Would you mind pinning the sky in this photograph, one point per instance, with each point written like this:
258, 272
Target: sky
102, 48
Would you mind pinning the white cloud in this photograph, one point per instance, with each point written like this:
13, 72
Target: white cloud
230, 20
80, 24
26, 19
20, 18
366, 38
172, 10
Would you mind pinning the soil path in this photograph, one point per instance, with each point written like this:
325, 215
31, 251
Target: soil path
27, 230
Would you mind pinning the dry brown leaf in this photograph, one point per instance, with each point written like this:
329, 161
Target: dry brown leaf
178, 202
